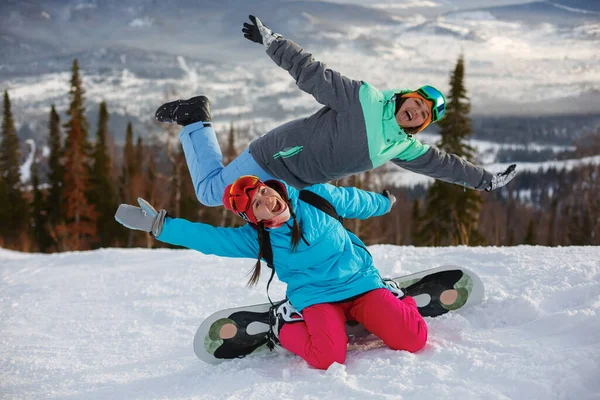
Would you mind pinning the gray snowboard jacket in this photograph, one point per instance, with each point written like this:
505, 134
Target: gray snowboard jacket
355, 131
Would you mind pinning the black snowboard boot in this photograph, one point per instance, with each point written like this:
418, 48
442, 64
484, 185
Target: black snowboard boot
185, 112
280, 314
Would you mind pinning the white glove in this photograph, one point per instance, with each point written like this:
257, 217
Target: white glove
390, 197
502, 178
144, 218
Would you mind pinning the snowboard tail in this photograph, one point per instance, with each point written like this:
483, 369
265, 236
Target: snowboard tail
239, 332
441, 292
229, 338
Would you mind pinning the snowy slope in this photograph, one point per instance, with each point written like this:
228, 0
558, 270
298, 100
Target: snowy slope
119, 324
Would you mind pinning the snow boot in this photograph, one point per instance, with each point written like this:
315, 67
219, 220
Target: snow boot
185, 112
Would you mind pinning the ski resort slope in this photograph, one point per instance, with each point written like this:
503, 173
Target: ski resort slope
119, 324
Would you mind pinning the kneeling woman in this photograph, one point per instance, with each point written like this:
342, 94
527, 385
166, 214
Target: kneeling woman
329, 273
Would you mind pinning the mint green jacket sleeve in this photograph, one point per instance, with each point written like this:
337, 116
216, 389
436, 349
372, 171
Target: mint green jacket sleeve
447, 167
239, 242
350, 202
327, 86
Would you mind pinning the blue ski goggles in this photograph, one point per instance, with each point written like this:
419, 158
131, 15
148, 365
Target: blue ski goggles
437, 99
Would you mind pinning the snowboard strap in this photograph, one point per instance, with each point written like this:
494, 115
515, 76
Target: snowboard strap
309, 198
267, 254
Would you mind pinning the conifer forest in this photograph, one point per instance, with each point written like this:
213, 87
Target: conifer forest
69, 201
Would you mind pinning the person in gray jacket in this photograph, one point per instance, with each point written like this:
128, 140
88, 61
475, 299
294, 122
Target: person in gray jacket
358, 129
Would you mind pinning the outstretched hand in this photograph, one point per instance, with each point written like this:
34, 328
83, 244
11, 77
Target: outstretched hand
251, 31
144, 218
502, 178
390, 197
257, 32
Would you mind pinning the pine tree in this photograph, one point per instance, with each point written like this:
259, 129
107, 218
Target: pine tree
531, 233
511, 237
102, 187
127, 167
139, 154
582, 222
414, 224
4, 212
76, 110
230, 151
152, 177
138, 185
127, 180
579, 226
79, 230
452, 213
56, 174
14, 224
552, 223
129, 160
150, 189
188, 206
38, 214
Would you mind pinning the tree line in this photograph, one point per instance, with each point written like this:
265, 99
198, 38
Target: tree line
71, 206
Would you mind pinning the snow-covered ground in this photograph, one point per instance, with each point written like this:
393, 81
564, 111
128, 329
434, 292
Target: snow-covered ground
119, 324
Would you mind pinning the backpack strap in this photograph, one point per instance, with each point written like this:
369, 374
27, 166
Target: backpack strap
321, 203
267, 254
310, 198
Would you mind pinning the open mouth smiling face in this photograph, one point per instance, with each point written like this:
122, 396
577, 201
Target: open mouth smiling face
413, 113
267, 203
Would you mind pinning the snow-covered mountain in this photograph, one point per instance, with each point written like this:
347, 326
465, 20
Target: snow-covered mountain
119, 324
528, 58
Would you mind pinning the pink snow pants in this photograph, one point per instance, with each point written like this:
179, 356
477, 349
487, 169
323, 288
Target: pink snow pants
321, 339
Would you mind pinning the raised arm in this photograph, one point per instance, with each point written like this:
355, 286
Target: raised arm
327, 86
350, 202
450, 168
207, 239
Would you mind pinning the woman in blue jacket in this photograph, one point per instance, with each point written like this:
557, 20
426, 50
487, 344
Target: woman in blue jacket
328, 271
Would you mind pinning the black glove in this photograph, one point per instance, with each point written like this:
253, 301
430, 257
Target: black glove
502, 178
257, 32
390, 197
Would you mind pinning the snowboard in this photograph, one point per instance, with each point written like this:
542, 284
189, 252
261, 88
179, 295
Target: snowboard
242, 331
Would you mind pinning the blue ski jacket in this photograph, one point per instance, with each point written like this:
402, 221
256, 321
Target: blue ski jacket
330, 263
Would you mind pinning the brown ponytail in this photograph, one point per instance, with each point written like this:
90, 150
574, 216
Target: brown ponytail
256, 271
